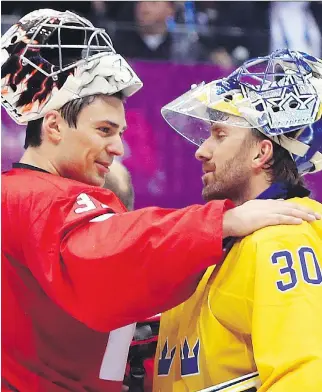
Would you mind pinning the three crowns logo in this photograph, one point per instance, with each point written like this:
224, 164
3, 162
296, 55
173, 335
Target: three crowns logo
189, 359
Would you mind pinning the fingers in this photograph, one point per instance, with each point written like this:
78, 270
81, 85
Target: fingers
287, 208
256, 214
292, 214
280, 219
304, 216
302, 211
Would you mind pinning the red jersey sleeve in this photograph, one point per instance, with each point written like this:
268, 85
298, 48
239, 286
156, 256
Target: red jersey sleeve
110, 269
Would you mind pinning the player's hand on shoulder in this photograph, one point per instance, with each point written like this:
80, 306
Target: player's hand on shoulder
256, 214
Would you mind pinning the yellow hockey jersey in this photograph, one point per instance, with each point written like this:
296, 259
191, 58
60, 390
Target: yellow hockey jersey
259, 311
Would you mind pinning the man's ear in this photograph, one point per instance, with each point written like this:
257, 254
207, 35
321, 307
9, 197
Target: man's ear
52, 126
263, 153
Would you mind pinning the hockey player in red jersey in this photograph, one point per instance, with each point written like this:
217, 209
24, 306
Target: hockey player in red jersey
70, 251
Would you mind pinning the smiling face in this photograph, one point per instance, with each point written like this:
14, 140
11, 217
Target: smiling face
84, 153
226, 158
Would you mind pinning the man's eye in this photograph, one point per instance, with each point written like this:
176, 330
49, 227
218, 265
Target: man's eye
221, 135
104, 129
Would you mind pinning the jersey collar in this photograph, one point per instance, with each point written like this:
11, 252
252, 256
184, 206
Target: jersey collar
282, 190
18, 165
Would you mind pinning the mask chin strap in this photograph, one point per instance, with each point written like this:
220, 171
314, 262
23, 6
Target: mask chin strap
296, 147
293, 146
316, 162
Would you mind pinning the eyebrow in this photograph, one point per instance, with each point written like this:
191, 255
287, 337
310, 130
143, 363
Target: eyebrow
216, 128
113, 124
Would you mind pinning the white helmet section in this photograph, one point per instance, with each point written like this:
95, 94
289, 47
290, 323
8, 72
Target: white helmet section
33, 83
107, 74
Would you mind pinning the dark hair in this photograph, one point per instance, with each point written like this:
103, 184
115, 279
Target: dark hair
112, 182
69, 112
281, 167
33, 133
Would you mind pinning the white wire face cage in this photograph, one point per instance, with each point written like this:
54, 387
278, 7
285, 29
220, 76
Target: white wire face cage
51, 57
43, 30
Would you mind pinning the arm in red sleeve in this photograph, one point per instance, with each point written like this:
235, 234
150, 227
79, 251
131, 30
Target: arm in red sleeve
116, 271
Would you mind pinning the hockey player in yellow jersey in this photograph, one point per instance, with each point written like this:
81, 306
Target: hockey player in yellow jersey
255, 321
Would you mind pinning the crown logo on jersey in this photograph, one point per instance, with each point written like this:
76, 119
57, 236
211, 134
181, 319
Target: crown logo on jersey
166, 359
189, 363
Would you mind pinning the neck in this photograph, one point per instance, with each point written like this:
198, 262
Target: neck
34, 156
257, 186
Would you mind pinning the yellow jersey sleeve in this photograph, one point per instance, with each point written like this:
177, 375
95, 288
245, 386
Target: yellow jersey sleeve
287, 309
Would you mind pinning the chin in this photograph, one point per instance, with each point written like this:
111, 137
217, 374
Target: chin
208, 194
93, 181
97, 181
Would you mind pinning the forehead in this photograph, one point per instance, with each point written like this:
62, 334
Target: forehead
230, 129
105, 109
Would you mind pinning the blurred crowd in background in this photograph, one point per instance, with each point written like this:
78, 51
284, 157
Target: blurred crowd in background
218, 32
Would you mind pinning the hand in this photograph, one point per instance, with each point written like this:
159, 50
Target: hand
256, 214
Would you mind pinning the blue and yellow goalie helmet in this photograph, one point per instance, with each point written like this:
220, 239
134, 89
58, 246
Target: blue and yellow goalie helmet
280, 95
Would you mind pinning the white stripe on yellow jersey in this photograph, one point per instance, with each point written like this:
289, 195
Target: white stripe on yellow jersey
248, 383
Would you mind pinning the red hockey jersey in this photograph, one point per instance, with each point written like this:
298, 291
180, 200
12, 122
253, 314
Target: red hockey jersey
78, 271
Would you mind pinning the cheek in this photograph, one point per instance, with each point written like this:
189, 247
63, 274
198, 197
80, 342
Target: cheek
221, 157
228, 151
94, 146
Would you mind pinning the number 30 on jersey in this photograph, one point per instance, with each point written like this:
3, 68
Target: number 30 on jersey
287, 262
